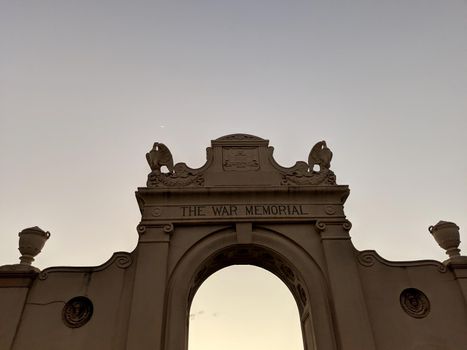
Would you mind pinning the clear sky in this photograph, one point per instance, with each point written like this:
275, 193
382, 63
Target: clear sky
86, 87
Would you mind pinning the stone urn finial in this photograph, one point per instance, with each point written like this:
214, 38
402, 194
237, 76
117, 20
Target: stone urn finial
447, 236
31, 242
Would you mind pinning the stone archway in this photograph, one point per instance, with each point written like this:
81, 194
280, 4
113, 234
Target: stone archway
242, 207
276, 254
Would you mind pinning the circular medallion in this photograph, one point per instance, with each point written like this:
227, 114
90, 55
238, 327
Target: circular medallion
415, 303
330, 209
77, 312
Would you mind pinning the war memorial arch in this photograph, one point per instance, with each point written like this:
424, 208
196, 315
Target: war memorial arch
241, 207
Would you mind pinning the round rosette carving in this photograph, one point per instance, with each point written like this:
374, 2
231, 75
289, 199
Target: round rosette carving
415, 303
330, 209
77, 312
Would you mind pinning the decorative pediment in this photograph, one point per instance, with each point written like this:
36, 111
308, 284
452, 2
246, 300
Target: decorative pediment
239, 137
240, 160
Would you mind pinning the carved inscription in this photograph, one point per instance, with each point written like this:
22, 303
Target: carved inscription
236, 210
240, 159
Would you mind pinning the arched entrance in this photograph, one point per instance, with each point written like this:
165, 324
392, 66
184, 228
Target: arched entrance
271, 252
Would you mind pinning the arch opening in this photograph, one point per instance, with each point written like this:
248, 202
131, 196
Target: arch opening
244, 307
249, 254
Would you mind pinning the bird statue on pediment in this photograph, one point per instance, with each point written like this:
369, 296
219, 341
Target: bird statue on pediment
160, 156
320, 155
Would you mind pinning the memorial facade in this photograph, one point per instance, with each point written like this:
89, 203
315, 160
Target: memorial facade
241, 207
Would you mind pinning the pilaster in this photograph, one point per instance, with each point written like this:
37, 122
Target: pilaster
351, 315
460, 271
147, 306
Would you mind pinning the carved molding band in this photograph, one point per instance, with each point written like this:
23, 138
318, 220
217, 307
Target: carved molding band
77, 312
19, 268
175, 180
368, 258
415, 303
240, 137
122, 260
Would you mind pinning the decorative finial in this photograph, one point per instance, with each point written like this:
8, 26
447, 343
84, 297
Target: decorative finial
447, 236
320, 155
160, 156
31, 242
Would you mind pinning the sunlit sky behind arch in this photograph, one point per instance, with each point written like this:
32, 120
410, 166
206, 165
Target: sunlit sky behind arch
253, 310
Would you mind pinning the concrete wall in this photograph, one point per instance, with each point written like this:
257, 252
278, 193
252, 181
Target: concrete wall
32, 318
32, 306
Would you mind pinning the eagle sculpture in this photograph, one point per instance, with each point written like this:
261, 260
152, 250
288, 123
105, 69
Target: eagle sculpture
320, 154
160, 156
